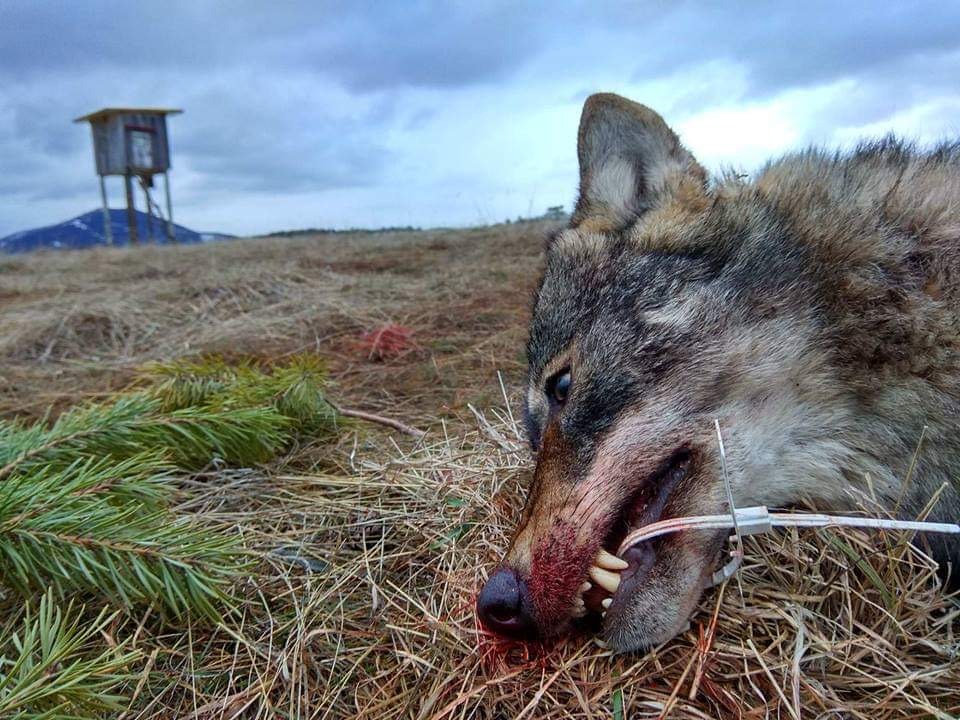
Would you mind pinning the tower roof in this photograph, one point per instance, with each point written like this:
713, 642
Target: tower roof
105, 113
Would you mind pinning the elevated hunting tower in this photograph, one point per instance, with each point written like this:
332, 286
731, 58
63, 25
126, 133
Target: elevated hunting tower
132, 142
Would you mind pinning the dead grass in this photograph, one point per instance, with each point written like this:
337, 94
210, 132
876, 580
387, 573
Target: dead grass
80, 323
373, 549
364, 608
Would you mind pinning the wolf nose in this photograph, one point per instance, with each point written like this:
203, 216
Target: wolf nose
504, 605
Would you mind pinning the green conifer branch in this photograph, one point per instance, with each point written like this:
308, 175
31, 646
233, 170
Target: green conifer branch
84, 502
102, 525
47, 669
295, 390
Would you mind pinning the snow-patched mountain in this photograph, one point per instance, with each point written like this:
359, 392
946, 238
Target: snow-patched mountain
87, 231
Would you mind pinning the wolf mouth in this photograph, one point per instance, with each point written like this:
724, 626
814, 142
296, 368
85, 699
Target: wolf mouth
612, 579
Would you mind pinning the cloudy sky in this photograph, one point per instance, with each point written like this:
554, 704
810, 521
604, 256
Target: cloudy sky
326, 114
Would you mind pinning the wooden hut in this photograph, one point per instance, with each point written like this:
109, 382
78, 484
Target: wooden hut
133, 143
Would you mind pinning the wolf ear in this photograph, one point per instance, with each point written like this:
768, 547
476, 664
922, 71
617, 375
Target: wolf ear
630, 160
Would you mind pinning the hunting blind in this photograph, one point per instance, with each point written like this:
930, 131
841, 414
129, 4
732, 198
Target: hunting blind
132, 142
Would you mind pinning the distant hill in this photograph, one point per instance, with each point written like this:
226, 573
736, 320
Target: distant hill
86, 231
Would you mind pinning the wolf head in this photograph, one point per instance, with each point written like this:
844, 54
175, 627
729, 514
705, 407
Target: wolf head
665, 305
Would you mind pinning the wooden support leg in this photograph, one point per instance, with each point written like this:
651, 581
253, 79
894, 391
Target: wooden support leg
171, 232
107, 225
149, 202
131, 211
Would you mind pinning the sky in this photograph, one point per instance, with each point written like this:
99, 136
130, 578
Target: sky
371, 114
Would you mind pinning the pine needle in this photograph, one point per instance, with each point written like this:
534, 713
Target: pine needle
48, 668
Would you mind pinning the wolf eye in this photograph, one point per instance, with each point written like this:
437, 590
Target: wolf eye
558, 387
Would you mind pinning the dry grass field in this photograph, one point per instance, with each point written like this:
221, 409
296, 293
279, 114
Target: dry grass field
370, 549
78, 324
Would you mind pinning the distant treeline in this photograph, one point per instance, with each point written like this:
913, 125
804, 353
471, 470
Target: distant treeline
347, 231
552, 213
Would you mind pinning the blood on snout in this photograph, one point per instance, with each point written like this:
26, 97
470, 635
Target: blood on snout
558, 567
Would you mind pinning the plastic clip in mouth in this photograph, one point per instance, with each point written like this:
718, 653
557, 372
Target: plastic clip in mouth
757, 520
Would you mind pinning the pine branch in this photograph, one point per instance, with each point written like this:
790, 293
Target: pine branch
133, 424
102, 526
84, 503
48, 671
295, 390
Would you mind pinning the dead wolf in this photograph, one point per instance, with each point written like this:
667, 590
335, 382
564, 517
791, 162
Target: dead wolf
812, 310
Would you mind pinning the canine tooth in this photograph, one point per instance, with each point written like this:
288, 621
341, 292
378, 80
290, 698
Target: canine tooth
610, 562
609, 581
607, 603
603, 614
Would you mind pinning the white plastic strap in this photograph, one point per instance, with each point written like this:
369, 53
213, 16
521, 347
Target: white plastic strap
757, 520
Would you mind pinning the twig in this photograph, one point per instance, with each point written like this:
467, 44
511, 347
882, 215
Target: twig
379, 419
706, 645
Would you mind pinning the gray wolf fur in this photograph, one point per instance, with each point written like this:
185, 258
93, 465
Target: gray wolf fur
812, 310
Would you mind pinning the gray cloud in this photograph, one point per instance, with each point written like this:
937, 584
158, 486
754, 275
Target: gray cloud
794, 45
428, 44
361, 105
266, 140
364, 46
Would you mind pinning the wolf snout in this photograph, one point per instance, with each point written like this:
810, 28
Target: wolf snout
504, 605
